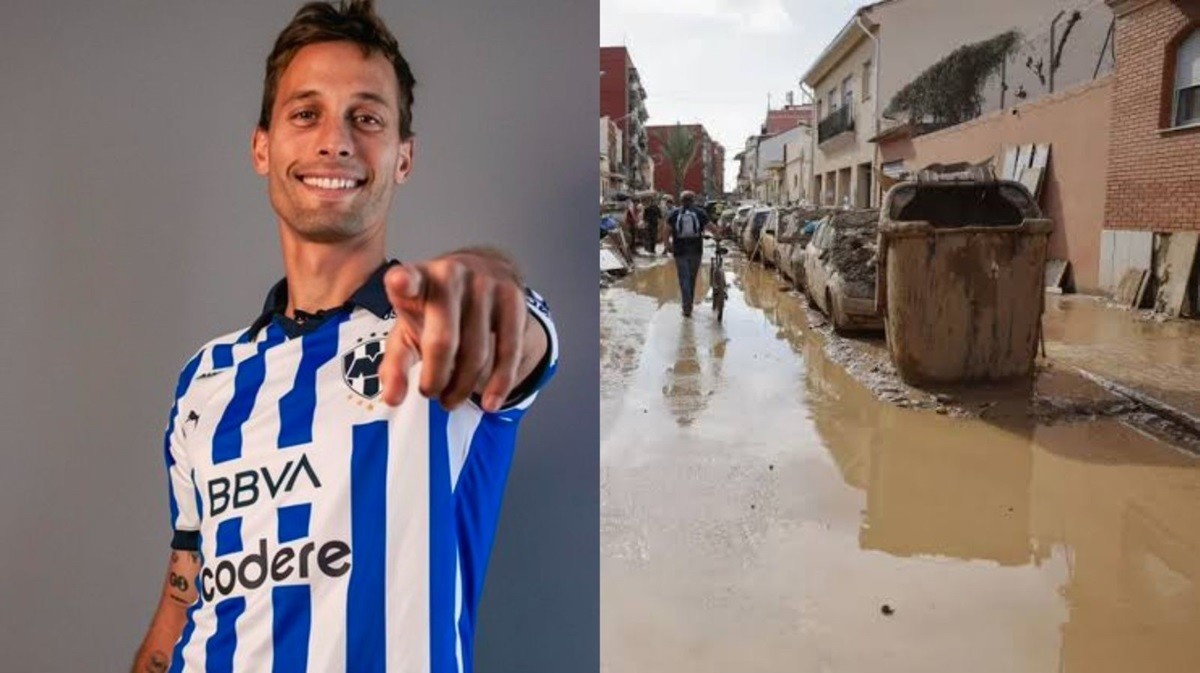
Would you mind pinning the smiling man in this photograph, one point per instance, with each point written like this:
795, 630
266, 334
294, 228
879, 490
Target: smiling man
336, 468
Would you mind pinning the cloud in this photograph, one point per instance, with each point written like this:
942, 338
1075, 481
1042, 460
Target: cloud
743, 16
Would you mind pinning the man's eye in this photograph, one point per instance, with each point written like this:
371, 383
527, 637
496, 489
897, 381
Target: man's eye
368, 120
305, 115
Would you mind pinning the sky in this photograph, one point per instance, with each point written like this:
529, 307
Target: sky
715, 62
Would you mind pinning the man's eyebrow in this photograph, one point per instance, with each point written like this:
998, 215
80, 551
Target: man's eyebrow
300, 95
372, 96
313, 93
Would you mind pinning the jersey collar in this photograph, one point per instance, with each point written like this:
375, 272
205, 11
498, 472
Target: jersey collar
371, 296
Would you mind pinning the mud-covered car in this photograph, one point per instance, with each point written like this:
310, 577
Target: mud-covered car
741, 216
789, 227
795, 233
840, 269
768, 239
724, 225
759, 218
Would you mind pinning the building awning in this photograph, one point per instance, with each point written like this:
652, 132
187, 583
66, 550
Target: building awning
898, 132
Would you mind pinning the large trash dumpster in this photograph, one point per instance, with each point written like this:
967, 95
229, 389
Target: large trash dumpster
960, 282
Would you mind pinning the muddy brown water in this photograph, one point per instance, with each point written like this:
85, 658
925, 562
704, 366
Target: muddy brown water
1129, 346
760, 508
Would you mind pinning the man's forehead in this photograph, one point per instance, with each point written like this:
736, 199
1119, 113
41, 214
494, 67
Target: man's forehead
338, 69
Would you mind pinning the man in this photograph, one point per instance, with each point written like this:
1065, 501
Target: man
632, 219
326, 516
686, 230
652, 216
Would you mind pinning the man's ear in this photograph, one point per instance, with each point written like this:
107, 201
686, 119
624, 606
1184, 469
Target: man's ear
404, 159
259, 151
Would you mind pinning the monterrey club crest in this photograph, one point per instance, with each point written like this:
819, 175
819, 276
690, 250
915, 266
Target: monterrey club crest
360, 367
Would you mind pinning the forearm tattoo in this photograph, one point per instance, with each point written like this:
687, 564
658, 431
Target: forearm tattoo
157, 663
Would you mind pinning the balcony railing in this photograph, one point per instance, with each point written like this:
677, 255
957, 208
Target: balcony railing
839, 121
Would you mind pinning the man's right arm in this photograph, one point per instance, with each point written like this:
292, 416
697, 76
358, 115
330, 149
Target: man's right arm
178, 593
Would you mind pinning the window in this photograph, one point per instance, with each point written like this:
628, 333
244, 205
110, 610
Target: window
1187, 81
847, 91
866, 81
833, 99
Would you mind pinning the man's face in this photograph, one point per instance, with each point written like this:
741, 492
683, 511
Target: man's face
333, 154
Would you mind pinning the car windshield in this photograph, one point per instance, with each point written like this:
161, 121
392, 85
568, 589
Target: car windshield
760, 218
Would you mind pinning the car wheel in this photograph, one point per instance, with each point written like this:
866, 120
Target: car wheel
835, 315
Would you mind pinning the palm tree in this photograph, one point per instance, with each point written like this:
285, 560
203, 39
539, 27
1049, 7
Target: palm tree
679, 148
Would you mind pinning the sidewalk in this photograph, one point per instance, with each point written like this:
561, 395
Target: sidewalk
1158, 360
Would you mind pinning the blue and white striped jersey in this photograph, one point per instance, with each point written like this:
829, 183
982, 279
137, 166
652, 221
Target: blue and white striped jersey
336, 533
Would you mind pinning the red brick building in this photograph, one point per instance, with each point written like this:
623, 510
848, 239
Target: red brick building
705, 175
1154, 141
623, 100
786, 118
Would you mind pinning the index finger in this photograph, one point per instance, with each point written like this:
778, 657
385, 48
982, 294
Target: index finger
405, 286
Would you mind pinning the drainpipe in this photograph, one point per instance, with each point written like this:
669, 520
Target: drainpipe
874, 97
812, 141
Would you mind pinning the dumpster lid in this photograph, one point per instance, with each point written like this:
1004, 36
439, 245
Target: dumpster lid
954, 199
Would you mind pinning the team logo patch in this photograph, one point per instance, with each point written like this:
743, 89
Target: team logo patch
360, 367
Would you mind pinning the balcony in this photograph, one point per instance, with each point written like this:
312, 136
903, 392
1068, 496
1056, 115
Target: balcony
836, 123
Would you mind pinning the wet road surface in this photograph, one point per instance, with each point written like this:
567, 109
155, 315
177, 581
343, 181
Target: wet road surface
762, 511
1127, 346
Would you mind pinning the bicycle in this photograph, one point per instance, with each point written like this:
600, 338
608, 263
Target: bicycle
716, 278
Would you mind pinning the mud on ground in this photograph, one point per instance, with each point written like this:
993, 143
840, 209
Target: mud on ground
1057, 394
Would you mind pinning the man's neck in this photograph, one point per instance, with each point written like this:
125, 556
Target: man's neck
326, 275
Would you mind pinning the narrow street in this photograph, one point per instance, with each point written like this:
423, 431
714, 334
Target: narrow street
763, 511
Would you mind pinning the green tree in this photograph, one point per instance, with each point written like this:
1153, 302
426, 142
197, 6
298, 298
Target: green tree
679, 149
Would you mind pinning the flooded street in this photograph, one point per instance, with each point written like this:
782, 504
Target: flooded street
763, 511
1134, 347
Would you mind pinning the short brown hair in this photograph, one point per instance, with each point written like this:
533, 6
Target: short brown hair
350, 21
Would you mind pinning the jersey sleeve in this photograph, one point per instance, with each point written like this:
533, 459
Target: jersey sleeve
526, 391
181, 488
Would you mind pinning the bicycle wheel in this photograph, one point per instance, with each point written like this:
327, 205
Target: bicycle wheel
717, 278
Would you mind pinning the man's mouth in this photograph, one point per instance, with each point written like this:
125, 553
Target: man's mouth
332, 183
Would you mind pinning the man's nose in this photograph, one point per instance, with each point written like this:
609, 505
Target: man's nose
335, 140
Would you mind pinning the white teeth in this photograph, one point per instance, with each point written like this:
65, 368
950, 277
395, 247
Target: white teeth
331, 183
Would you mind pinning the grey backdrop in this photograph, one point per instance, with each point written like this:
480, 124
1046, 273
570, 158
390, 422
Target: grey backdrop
134, 229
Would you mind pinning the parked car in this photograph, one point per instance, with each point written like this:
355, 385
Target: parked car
724, 225
768, 239
759, 217
839, 270
789, 226
795, 261
740, 217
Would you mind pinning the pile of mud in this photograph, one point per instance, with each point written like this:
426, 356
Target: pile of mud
854, 251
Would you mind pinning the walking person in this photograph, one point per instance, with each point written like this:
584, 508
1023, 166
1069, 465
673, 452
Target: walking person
686, 231
633, 215
652, 219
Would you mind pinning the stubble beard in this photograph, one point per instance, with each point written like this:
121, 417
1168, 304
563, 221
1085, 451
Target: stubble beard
322, 225
327, 227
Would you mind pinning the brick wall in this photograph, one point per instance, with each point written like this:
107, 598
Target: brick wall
1153, 175
614, 84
